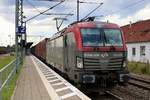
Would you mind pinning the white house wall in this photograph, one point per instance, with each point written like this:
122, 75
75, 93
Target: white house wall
137, 57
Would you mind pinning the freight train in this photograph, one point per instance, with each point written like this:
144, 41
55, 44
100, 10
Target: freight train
91, 54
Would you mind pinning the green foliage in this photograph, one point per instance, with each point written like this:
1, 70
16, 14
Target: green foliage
9, 89
5, 60
139, 68
146, 69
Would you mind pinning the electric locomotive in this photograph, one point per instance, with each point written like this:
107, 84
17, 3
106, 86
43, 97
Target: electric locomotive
92, 54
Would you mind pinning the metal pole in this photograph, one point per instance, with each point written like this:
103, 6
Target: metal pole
21, 34
21, 23
25, 39
16, 32
18, 35
78, 10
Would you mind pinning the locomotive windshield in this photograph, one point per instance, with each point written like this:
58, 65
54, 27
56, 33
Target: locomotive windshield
101, 37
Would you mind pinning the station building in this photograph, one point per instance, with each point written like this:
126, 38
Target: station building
138, 40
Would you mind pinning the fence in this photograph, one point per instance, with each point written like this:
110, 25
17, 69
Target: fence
6, 75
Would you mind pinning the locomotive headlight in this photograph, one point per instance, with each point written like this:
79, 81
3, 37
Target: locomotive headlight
125, 64
79, 62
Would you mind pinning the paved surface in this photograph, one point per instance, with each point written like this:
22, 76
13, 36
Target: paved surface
3, 55
30, 85
57, 87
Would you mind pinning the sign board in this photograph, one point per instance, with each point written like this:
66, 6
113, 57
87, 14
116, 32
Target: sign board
21, 30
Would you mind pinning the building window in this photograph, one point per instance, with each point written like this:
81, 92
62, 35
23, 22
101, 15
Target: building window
133, 51
142, 50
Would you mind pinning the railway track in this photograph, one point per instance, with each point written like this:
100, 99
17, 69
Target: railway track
129, 93
113, 96
140, 82
107, 95
138, 88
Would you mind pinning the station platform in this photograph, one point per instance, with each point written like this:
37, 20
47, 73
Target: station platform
29, 85
38, 82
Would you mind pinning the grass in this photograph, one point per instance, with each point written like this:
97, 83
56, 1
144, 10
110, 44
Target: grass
8, 90
5, 60
139, 68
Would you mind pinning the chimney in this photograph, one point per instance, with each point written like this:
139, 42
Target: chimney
130, 27
107, 21
130, 24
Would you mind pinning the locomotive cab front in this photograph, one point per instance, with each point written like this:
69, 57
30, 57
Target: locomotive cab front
98, 53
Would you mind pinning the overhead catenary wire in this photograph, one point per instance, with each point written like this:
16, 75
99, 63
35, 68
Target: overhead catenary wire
58, 26
50, 0
128, 6
89, 2
62, 19
72, 11
44, 11
57, 14
92, 11
33, 6
75, 10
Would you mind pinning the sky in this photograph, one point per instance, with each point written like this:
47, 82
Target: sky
120, 12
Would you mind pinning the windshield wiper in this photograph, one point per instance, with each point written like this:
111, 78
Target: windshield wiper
105, 39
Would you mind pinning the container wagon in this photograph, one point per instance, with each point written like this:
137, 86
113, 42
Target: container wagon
39, 50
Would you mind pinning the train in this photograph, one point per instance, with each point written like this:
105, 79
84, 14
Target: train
91, 54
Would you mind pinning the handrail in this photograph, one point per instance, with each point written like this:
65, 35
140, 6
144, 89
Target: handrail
6, 74
9, 76
7, 65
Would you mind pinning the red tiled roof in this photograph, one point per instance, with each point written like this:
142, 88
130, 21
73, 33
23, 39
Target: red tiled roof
137, 32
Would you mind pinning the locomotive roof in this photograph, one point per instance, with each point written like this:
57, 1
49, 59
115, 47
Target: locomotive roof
92, 24
97, 24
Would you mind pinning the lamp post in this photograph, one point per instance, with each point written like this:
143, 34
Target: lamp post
78, 10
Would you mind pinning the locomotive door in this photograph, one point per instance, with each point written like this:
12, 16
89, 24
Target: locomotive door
69, 51
65, 54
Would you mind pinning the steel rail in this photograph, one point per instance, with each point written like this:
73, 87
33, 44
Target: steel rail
133, 77
139, 85
113, 95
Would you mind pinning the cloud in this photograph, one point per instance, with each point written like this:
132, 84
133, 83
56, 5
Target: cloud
118, 11
142, 14
7, 28
44, 26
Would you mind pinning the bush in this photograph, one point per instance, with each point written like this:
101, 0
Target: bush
139, 68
